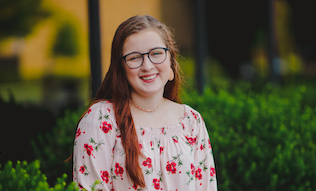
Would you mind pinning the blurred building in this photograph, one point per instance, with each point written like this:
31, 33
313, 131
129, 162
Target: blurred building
56, 52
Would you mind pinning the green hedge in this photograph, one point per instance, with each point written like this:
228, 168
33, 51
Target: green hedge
260, 141
53, 148
28, 177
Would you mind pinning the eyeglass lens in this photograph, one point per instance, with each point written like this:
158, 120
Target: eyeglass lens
156, 56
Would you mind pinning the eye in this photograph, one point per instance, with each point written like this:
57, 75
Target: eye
156, 52
133, 57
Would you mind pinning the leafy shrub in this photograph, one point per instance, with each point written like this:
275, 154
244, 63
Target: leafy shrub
53, 148
26, 177
66, 43
260, 141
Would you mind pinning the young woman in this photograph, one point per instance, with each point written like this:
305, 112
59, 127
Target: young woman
137, 135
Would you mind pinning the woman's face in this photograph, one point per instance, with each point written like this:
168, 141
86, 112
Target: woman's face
149, 79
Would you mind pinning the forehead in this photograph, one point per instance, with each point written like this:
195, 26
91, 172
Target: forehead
143, 41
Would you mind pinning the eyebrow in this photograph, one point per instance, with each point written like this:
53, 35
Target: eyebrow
147, 51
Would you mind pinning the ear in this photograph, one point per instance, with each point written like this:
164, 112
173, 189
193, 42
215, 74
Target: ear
171, 76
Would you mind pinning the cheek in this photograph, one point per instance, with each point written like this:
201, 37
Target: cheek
131, 74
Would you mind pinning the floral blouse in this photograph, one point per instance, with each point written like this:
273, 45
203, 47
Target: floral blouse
177, 157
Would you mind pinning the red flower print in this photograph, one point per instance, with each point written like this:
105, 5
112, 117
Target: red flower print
89, 111
182, 126
156, 183
118, 169
143, 131
147, 162
209, 144
175, 139
201, 147
106, 127
151, 143
135, 186
105, 176
163, 131
82, 169
191, 140
157, 186
161, 149
198, 174
78, 133
212, 171
88, 148
192, 169
194, 114
140, 146
171, 167
108, 110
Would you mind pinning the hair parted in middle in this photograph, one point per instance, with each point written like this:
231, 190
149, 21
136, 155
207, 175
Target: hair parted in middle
116, 89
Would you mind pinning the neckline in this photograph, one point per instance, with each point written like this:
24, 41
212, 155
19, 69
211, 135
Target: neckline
178, 124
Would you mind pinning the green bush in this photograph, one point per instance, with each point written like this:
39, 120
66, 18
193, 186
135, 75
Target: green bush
53, 148
66, 43
27, 177
260, 141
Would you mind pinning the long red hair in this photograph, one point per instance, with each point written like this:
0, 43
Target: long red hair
116, 89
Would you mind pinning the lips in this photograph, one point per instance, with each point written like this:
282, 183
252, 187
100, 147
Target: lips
149, 78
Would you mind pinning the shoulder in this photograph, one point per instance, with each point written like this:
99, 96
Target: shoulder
99, 116
178, 110
193, 118
100, 106
190, 112
99, 110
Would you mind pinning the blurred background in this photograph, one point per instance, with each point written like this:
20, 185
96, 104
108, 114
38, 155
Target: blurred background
263, 46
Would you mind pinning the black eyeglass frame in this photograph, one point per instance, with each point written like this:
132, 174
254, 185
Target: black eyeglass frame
142, 54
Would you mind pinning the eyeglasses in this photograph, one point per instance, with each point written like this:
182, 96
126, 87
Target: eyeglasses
136, 59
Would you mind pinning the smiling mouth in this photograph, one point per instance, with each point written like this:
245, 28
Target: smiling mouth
149, 77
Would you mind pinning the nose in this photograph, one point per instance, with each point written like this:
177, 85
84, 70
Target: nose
147, 64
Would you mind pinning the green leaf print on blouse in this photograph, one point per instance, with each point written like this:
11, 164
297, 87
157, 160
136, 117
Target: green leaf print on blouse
196, 171
191, 141
91, 148
147, 163
171, 166
196, 117
84, 170
118, 171
104, 116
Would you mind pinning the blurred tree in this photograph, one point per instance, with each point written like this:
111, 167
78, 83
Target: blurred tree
231, 28
17, 18
66, 43
303, 15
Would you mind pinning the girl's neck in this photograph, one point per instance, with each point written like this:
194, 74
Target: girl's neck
146, 104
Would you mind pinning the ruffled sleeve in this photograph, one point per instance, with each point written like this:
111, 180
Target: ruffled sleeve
205, 175
93, 147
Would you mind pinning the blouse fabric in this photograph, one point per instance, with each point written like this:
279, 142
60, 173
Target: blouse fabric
177, 157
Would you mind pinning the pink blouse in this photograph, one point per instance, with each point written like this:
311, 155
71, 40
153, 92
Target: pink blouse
177, 157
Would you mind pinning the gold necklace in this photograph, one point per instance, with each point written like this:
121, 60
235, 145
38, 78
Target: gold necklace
147, 110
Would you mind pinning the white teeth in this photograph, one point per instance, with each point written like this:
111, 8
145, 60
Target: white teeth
149, 77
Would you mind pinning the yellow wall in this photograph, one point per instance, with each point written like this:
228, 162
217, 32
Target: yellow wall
36, 59
113, 13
